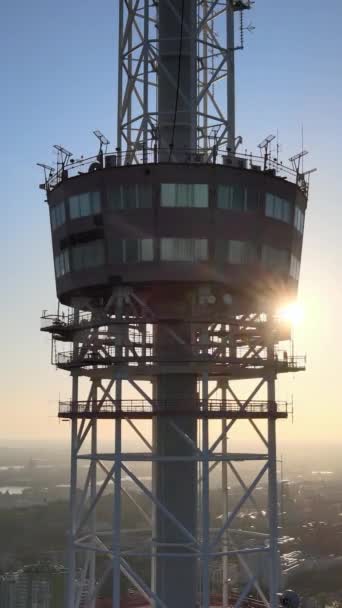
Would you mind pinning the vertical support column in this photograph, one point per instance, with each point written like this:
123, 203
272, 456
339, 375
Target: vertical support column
231, 76
146, 79
116, 543
205, 499
205, 77
71, 581
129, 154
225, 570
120, 72
73, 501
154, 492
93, 493
272, 475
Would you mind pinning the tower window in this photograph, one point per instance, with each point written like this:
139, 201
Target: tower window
62, 263
183, 250
184, 195
88, 255
57, 215
131, 251
233, 197
236, 252
294, 268
130, 196
299, 220
82, 205
275, 259
278, 208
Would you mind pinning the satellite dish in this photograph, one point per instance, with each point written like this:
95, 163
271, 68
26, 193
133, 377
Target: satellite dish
94, 167
289, 599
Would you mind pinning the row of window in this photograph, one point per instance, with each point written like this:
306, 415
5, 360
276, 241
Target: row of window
139, 196
89, 255
81, 205
80, 257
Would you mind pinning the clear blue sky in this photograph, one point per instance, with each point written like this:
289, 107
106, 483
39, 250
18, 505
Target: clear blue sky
58, 85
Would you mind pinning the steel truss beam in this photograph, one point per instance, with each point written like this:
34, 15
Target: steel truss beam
109, 470
138, 65
208, 546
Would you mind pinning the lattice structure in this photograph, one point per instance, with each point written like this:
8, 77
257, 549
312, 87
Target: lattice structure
139, 69
113, 347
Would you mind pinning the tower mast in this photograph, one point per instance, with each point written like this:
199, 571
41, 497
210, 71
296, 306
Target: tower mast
171, 256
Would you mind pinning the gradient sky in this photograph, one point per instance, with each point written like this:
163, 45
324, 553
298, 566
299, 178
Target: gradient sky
58, 85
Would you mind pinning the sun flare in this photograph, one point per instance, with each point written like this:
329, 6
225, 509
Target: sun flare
292, 313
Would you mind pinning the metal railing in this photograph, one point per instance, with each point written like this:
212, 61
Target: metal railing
141, 406
115, 159
71, 322
144, 353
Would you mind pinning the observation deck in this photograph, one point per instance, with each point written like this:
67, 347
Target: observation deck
142, 409
234, 223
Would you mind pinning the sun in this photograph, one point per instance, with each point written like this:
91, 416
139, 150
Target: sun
292, 313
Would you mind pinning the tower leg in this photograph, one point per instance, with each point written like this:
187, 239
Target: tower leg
272, 488
225, 586
71, 580
93, 493
117, 506
70, 592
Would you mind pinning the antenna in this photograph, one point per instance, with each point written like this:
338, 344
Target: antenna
102, 139
63, 152
241, 6
238, 142
48, 173
264, 145
46, 167
295, 160
278, 147
63, 156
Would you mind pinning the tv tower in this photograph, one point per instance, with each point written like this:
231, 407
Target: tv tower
172, 255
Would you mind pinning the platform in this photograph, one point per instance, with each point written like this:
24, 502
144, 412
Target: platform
142, 409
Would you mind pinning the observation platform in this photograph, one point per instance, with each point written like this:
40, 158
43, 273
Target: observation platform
62, 327
214, 359
163, 229
142, 409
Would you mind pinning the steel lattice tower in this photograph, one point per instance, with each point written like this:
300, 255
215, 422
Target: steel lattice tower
172, 255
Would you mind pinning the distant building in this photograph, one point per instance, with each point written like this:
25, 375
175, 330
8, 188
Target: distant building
8, 588
35, 586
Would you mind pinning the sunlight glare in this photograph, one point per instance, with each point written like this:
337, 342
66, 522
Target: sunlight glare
292, 313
